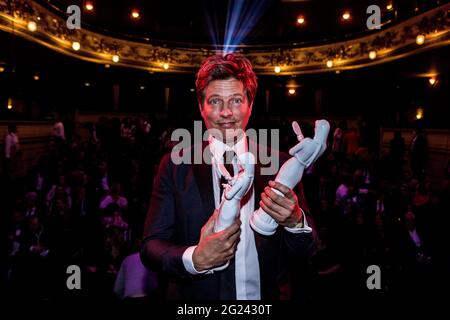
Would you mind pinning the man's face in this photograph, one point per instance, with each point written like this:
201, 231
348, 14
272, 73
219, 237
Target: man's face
226, 108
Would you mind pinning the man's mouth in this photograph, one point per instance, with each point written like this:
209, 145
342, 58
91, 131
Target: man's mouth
227, 125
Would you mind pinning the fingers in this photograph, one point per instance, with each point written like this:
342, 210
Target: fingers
208, 228
283, 209
233, 241
279, 209
281, 215
215, 249
229, 240
231, 230
287, 192
269, 209
276, 202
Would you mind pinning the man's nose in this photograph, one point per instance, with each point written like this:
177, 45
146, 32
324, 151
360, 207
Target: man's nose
226, 112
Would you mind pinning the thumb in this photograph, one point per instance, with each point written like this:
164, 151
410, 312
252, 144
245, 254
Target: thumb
208, 228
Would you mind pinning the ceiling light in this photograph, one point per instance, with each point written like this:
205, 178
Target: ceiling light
291, 91
372, 55
420, 39
76, 45
346, 15
36, 77
301, 20
432, 81
115, 58
32, 26
165, 65
277, 69
87, 84
419, 113
329, 63
89, 6
389, 6
135, 14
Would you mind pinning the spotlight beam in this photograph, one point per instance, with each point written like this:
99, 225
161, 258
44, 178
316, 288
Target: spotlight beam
241, 18
212, 24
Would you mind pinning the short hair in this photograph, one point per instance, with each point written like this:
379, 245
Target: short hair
225, 67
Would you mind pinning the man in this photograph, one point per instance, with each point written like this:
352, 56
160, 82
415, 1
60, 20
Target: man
179, 238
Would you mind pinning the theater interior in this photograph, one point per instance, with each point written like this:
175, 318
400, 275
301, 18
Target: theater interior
87, 113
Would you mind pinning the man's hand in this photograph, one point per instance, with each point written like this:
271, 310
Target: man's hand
216, 249
284, 210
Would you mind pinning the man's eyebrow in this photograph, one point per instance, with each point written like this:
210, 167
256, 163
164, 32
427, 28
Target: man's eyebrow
230, 96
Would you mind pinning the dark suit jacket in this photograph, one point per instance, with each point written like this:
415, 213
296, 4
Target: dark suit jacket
182, 202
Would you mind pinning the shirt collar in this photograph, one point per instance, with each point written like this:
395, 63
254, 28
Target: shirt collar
218, 148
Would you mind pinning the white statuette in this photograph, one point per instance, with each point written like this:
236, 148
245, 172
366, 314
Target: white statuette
305, 153
236, 188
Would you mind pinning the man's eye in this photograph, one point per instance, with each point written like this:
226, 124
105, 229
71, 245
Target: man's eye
214, 101
237, 100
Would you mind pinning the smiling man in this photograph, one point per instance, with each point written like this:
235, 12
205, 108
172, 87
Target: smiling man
179, 233
225, 100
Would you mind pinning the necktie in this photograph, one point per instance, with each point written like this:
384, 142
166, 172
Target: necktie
227, 161
227, 276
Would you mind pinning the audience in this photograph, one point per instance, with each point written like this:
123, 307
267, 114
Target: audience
93, 212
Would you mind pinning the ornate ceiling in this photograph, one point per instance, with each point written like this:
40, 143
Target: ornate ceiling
386, 44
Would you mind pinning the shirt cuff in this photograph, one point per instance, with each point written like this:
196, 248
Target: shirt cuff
189, 264
301, 227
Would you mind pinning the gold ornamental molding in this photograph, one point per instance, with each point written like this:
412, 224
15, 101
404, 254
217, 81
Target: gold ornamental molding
48, 28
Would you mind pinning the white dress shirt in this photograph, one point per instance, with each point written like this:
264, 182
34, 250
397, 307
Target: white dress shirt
246, 258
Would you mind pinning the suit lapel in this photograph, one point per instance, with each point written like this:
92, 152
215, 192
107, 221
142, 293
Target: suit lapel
203, 177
